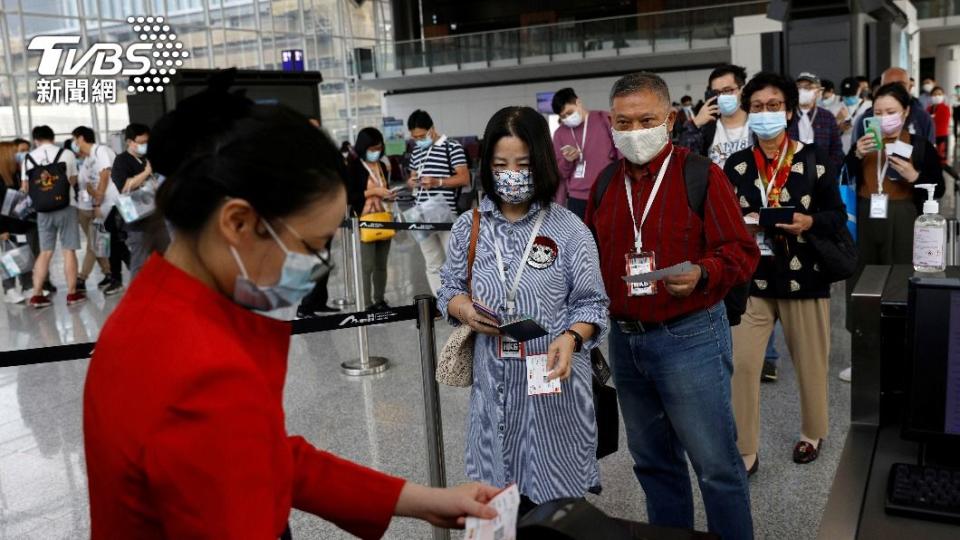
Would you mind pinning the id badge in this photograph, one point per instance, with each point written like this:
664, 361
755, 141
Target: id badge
581, 170
509, 348
765, 249
878, 206
641, 263
537, 375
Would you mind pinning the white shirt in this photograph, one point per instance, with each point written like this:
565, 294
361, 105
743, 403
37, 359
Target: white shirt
727, 142
101, 157
44, 155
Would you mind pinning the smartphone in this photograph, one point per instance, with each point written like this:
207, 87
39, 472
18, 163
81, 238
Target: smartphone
707, 96
871, 126
523, 330
770, 217
486, 312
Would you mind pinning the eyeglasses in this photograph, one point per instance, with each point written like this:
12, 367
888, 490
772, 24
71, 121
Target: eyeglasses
728, 91
770, 106
322, 255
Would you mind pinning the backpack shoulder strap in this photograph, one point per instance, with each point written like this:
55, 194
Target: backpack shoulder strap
30, 159
696, 175
56, 158
603, 182
446, 147
472, 252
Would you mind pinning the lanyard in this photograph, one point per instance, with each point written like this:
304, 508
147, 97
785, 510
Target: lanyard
881, 171
375, 177
583, 136
786, 157
637, 228
423, 163
512, 291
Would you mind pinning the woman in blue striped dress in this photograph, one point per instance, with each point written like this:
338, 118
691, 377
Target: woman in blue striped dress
545, 443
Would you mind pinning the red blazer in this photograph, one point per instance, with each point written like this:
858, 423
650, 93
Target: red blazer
184, 430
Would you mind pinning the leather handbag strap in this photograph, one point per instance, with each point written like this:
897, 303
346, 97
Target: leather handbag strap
472, 253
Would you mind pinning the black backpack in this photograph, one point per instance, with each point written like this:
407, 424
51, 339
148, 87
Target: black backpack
696, 170
49, 186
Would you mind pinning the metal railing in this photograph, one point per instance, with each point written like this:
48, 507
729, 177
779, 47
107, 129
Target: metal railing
660, 31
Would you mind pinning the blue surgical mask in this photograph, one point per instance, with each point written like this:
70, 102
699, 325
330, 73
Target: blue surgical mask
513, 187
767, 125
728, 104
424, 142
373, 155
851, 101
298, 277
75, 147
21, 156
142, 149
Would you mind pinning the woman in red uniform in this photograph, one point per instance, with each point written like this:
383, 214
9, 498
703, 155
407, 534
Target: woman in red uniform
183, 420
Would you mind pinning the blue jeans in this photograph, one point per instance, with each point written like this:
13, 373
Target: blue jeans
674, 390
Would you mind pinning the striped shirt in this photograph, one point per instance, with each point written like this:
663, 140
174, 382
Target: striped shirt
439, 160
545, 444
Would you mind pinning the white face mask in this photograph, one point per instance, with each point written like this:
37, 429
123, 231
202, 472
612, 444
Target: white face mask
807, 96
936, 100
928, 88
640, 146
573, 119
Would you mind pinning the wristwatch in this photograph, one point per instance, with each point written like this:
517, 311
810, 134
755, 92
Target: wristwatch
577, 339
704, 275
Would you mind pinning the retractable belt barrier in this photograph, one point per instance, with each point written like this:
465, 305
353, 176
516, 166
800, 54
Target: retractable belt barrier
423, 310
399, 226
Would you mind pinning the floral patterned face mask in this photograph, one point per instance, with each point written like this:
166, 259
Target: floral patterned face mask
513, 187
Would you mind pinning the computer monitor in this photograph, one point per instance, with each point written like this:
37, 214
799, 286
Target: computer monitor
933, 333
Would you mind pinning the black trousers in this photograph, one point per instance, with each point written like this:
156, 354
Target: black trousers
318, 296
577, 206
119, 254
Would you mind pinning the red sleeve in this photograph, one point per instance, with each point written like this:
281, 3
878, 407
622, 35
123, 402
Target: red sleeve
210, 465
731, 254
359, 500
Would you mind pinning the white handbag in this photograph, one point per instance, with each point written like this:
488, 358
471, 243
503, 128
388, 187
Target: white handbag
455, 364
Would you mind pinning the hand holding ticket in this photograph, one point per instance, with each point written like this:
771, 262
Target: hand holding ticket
502, 527
661, 273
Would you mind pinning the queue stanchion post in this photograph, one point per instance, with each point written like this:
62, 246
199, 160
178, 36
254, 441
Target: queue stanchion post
345, 247
365, 364
433, 422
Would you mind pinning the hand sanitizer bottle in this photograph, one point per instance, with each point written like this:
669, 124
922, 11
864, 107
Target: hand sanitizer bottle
929, 236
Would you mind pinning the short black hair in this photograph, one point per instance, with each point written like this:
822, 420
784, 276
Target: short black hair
530, 127
19, 140
368, 136
135, 130
561, 98
42, 133
894, 90
766, 79
419, 119
209, 157
828, 85
935, 88
861, 78
739, 74
84, 133
686, 98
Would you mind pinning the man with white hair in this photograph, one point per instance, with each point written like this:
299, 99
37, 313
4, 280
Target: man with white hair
670, 345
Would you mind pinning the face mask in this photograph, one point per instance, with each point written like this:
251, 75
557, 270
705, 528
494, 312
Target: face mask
928, 88
75, 147
513, 187
865, 95
767, 125
373, 155
851, 101
936, 100
573, 119
639, 146
827, 102
728, 104
298, 277
890, 124
20, 156
807, 96
424, 142
142, 149
344, 154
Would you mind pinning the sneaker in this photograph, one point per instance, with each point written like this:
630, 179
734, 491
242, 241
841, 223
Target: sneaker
40, 302
379, 306
846, 375
14, 296
48, 287
76, 298
115, 287
105, 282
81, 285
769, 373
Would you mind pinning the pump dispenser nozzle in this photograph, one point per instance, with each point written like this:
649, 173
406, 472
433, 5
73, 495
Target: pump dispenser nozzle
930, 206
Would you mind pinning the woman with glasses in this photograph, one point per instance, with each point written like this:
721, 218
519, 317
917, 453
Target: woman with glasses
533, 259
887, 209
789, 284
183, 420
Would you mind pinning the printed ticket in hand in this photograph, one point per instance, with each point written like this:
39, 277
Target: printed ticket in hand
681, 268
502, 527
538, 375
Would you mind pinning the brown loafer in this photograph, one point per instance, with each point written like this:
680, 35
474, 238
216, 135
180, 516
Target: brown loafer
805, 452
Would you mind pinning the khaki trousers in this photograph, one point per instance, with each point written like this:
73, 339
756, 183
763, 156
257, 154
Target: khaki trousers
86, 222
806, 327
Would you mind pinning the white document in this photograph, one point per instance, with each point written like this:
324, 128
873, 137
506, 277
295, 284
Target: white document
502, 527
537, 375
899, 148
681, 268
